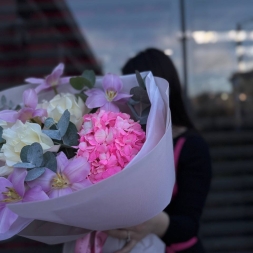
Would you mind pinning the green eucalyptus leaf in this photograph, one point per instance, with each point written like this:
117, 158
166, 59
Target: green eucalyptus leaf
35, 154
49, 122
53, 134
17, 108
90, 76
82, 96
11, 104
71, 137
24, 165
50, 161
23, 153
1, 135
144, 116
77, 82
132, 102
140, 80
3, 100
34, 173
63, 123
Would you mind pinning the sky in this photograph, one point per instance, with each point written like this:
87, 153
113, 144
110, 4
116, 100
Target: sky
117, 30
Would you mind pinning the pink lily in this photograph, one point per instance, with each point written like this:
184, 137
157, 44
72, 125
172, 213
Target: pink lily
12, 190
30, 100
50, 81
71, 176
106, 99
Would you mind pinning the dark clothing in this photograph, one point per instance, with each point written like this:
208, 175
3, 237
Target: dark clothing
193, 180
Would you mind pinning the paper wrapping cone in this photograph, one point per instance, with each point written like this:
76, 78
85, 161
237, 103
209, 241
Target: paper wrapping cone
137, 193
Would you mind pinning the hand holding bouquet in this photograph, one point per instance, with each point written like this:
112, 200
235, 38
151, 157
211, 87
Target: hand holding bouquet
65, 165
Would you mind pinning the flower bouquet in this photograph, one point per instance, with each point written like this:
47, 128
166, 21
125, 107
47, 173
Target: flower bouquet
75, 158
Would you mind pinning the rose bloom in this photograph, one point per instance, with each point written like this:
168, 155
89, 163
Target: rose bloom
20, 135
66, 101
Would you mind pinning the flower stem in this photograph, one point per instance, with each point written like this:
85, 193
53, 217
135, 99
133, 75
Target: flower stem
55, 90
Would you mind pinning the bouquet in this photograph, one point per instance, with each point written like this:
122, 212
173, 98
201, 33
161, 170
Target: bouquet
75, 157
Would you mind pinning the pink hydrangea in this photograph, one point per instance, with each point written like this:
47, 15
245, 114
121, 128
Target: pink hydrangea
109, 140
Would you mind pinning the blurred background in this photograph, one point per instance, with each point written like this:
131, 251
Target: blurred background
211, 44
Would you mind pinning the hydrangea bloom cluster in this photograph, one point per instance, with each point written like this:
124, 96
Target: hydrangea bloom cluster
109, 140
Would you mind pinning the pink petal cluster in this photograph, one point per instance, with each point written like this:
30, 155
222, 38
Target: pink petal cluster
109, 140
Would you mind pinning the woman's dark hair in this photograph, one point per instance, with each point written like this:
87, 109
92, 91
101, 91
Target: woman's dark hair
161, 66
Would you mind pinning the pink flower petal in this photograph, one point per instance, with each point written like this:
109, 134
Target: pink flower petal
35, 194
62, 162
109, 106
9, 116
7, 218
81, 185
33, 80
94, 91
44, 180
30, 98
40, 113
95, 101
55, 193
112, 82
41, 87
59, 69
121, 96
77, 169
64, 80
100, 135
17, 178
3, 184
25, 114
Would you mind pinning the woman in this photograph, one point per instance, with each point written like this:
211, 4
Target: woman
178, 224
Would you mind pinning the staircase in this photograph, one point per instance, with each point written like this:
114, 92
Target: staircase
227, 221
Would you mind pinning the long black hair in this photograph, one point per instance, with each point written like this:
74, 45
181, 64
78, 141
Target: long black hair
162, 66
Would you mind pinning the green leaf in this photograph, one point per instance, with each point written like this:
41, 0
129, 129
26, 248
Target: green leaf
77, 82
1, 135
35, 154
34, 173
50, 161
90, 76
53, 134
144, 116
63, 123
82, 96
49, 122
71, 137
23, 153
3, 100
140, 80
24, 165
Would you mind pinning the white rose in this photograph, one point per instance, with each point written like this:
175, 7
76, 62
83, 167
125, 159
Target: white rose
66, 101
20, 135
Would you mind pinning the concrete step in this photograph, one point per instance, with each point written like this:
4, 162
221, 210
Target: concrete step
225, 153
230, 198
227, 228
232, 168
228, 183
227, 213
229, 244
228, 138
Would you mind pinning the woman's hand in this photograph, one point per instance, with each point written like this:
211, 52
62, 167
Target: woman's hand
157, 225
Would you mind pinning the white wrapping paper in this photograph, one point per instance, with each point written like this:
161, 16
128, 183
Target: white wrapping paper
136, 194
